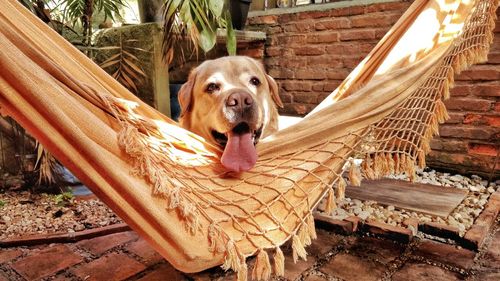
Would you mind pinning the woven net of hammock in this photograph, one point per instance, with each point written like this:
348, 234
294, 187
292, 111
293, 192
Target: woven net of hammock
179, 197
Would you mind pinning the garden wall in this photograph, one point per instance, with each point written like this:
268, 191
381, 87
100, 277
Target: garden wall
311, 49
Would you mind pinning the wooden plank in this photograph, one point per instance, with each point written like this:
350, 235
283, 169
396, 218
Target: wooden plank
424, 198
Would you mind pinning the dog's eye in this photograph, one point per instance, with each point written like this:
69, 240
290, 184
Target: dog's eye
255, 81
212, 87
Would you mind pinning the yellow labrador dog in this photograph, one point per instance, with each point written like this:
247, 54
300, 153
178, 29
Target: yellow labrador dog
231, 102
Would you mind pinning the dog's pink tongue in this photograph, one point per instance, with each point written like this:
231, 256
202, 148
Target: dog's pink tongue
240, 153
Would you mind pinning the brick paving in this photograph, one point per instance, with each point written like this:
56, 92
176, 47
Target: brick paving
333, 256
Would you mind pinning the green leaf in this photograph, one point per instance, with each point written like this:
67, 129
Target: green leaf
207, 39
216, 6
230, 38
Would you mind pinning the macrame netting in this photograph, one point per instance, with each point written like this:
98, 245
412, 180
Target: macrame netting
168, 183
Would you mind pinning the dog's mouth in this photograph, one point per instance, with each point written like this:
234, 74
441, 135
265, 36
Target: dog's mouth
239, 147
241, 128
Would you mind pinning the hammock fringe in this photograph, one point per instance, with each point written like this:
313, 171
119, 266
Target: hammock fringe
262, 267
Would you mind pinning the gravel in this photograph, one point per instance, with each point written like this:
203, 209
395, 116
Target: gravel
23, 213
462, 217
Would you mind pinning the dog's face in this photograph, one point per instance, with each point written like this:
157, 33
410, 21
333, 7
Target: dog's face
231, 102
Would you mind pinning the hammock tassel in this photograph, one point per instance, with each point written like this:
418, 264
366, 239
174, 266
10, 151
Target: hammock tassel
367, 168
310, 226
214, 238
262, 268
421, 159
279, 262
441, 112
232, 259
354, 174
330, 202
410, 169
304, 237
243, 272
397, 164
298, 250
390, 163
341, 189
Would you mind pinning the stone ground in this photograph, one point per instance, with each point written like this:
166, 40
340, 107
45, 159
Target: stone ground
126, 256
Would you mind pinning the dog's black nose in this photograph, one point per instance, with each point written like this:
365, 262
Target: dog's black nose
240, 100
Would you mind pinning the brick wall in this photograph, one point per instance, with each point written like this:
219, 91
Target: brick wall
310, 50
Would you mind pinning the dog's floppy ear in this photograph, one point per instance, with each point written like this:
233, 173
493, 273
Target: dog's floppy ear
185, 95
274, 91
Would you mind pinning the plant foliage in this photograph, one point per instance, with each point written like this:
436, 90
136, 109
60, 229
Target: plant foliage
197, 20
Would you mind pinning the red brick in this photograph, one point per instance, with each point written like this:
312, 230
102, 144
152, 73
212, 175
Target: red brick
351, 61
388, 6
309, 50
269, 19
162, 273
376, 249
472, 119
349, 267
468, 104
338, 74
46, 262
480, 73
332, 23
493, 121
461, 90
313, 15
313, 74
455, 118
486, 89
281, 73
256, 53
101, 244
273, 51
388, 231
325, 242
326, 60
448, 145
381, 32
378, 20
481, 227
348, 11
494, 56
342, 48
8, 255
496, 107
305, 97
291, 40
491, 257
296, 86
109, 267
465, 132
446, 254
294, 270
323, 37
299, 27
424, 272
145, 251
483, 149
357, 34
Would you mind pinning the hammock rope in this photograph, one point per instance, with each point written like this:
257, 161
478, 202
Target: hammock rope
168, 184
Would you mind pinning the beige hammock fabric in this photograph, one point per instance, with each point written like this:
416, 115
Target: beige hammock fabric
168, 184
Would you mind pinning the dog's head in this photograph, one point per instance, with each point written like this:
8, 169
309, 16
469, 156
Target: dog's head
231, 102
